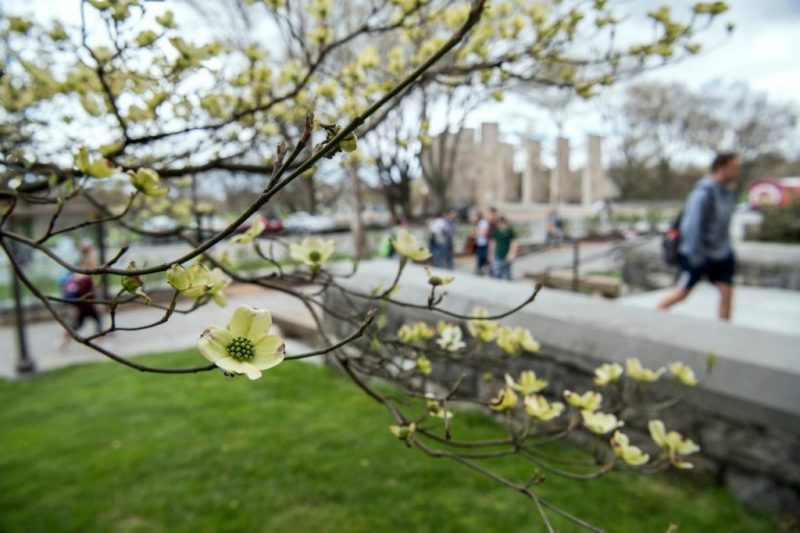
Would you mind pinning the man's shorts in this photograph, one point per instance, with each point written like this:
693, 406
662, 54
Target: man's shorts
716, 271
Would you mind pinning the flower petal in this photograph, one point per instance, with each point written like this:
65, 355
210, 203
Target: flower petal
658, 432
219, 298
213, 343
269, 352
239, 367
249, 322
297, 252
196, 291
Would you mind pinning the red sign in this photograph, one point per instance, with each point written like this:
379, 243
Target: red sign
765, 193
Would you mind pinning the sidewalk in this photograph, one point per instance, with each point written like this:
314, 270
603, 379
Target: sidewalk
180, 332
761, 308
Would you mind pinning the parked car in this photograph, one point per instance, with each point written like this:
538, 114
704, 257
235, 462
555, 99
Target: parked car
274, 225
271, 225
376, 216
302, 222
159, 223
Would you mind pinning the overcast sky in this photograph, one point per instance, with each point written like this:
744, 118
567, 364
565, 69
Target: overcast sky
763, 51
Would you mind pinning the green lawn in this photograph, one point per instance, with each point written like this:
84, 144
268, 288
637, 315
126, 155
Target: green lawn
48, 285
102, 448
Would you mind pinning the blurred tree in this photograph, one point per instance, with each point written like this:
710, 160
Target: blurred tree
437, 154
780, 224
396, 163
752, 126
654, 125
657, 124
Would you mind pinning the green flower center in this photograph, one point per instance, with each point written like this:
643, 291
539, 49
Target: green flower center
242, 349
315, 256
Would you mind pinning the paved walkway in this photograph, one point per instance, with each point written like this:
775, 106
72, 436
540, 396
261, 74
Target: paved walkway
761, 308
179, 333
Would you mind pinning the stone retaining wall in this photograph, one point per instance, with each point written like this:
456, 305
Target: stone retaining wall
746, 418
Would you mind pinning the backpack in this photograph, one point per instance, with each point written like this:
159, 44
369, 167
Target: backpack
469, 244
671, 241
672, 238
71, 288
77, 286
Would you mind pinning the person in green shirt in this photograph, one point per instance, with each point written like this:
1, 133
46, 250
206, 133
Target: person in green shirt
503, 249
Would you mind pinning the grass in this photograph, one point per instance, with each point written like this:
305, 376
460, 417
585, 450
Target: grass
48, 285
102, 448
257, 263
616, 274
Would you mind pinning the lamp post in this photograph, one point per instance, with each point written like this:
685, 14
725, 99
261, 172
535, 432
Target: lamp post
25, 364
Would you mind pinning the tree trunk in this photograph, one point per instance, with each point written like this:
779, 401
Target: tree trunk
311, 190
356, 223
665, 177
405, 200
744, 177
389, 194
440, 193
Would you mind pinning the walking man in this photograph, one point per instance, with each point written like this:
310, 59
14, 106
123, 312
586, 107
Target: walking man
705, 247
503, 248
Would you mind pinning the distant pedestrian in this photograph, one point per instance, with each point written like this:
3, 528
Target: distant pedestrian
555, 227
704, 249
443, 234
602, 210
493, 217
80, 289
503, 249
482, 236
89, 257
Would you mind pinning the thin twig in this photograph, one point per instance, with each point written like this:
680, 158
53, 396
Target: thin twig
368, 318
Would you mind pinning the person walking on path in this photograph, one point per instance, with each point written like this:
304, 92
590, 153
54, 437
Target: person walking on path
705, 248
482, 235
443, 235
503, 249
492, 219
555, 227
80, 287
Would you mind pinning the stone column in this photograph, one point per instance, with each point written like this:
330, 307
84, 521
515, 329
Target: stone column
560, 179
532, 175
489, 157
464, 167
594, 176
507, 179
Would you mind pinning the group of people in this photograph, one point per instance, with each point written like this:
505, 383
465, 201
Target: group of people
495, 245
492, 241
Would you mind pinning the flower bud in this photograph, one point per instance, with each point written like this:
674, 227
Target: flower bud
178, 278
